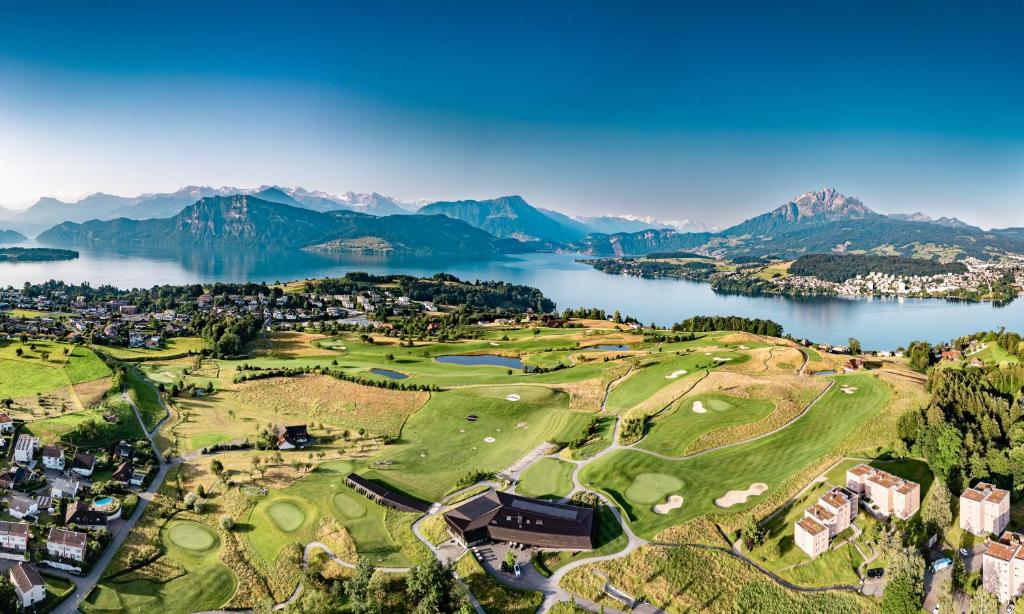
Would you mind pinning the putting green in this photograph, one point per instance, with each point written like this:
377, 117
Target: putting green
348, 506
652, 487
286, 515
191, 536
717, 404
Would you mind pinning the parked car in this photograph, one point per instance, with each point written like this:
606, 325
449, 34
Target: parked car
519, 572
1010, 608
941, 564
965, 552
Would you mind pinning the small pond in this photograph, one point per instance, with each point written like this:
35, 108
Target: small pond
481, 359
389, 373
828, 372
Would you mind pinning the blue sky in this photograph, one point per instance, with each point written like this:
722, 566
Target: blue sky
711, 111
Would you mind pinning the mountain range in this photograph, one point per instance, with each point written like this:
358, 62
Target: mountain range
243, 221
822, 221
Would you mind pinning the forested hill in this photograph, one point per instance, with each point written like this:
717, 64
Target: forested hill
245, 222
840, 267
11, 236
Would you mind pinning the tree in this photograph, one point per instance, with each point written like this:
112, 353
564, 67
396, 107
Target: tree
216, 467
854, 346
227, 522
905, 590
9, 601
945, 456
360, 590
984, 602
936, 512
433, 588
752, 535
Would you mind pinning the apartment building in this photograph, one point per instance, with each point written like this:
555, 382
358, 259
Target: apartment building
14, 538
888, 494
829, 516
25, 448
984, 509
1002, 567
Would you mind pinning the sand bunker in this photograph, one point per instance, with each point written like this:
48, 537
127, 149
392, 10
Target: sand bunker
698, 408
735, 497
675, 374
674, 502
512, 397
720, 359
489, 439
521, 425
743, 347
848, 389
495, 343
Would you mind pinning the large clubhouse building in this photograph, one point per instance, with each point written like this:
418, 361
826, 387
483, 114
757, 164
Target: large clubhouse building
506, 517
888, 494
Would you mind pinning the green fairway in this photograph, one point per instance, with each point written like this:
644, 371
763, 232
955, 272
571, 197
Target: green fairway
291, 515
191, 536
548, 477
671, 433
204, 584
439, 445
771, 459
665, 371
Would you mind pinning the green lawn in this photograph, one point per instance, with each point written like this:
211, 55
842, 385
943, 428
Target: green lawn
146, 398
206, 583
771, 459
33, 372
438, 445
100, 432
291, 515
548, 477
993, 354
671, 433
173, 347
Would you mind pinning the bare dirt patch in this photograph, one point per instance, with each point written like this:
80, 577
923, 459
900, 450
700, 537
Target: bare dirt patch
91, 393
291, 344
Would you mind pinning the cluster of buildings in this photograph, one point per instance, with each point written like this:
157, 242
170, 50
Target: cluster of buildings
47, 492
976, 279
881, 493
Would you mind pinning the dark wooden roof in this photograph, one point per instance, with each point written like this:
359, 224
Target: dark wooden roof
509, 517
385, 496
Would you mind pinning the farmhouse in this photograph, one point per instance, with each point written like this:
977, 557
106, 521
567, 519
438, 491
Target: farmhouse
83, 464
1002, 567
376, 492
984, 509
6, 424
65, 544
80, 514
14, 538
28, 584
25, 449
292, 437
505, 517
888, 494
53, 457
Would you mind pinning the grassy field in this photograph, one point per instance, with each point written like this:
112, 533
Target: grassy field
102, 434
548, 477
146, 398
45, 368
628, 475
672, 433
673, 373
173, 347
993, 354
292, 515
204, 583
32, 314
439, 445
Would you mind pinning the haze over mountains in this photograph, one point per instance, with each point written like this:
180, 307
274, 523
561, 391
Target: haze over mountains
272, 217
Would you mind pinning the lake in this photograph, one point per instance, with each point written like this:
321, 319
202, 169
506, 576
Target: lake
481, 359
877, 323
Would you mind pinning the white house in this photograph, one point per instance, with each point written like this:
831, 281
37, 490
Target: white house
53, 457
83, 464
14, 538
28, 584
6, 424
65, 544
25, 449
64, 487
21, 506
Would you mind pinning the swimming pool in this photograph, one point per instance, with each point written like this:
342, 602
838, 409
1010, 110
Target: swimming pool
103, 501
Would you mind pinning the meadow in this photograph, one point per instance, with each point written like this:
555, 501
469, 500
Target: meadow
45, 368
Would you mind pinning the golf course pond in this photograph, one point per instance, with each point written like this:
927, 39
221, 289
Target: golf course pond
389, 373
476, 360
